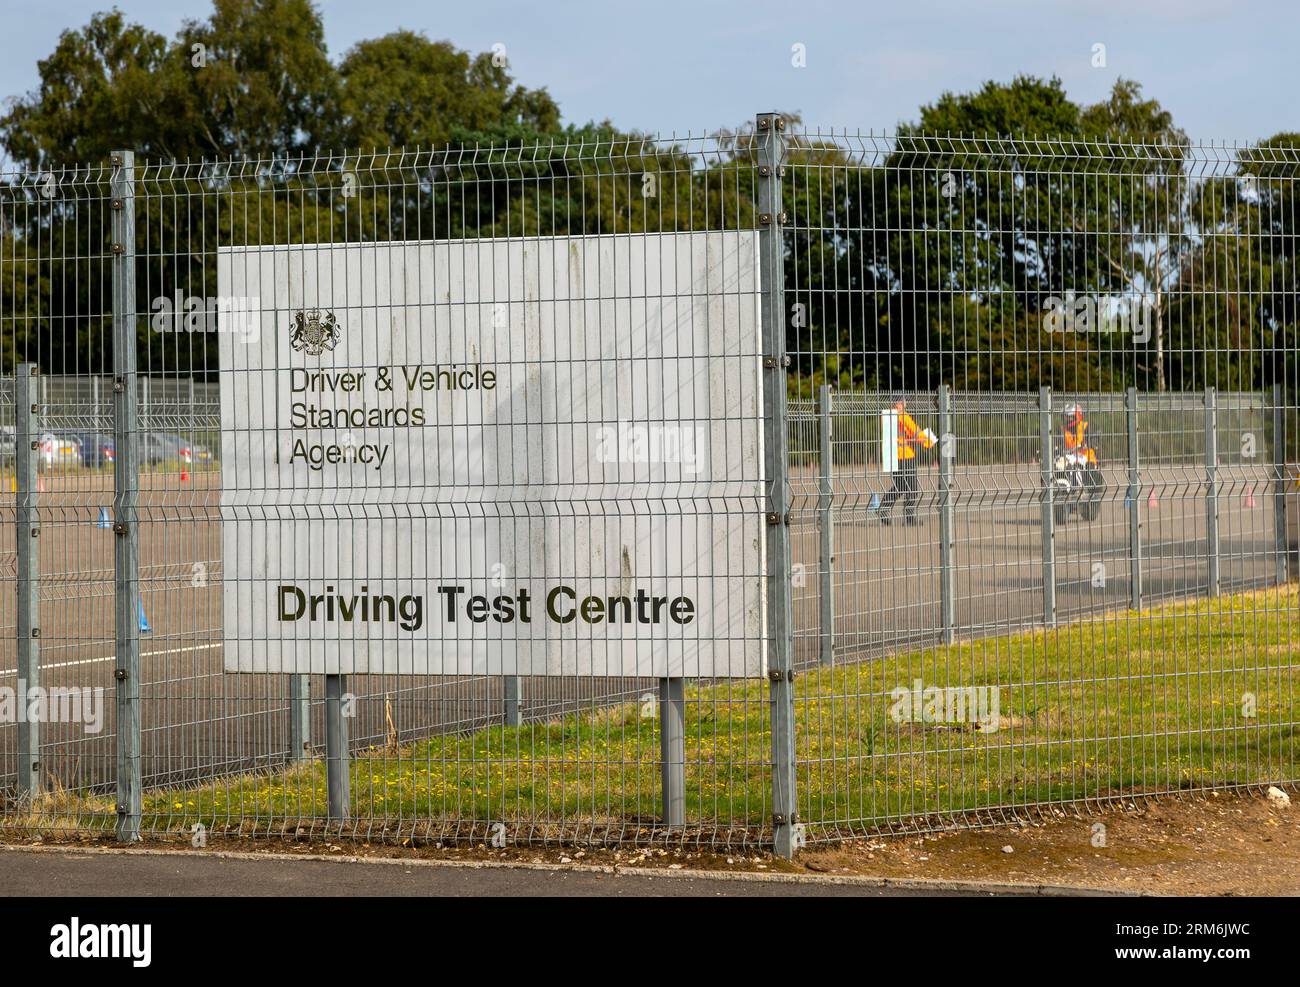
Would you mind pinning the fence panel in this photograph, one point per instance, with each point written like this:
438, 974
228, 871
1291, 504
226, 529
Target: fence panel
1117, 605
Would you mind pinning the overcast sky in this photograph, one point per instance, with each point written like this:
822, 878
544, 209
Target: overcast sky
1226, 69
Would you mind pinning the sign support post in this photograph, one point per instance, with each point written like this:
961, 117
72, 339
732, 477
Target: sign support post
510, 700
338, 782
672, 749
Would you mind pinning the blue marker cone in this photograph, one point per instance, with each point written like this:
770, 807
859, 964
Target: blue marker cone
875, 502
144, 621
104, 520
1128, 502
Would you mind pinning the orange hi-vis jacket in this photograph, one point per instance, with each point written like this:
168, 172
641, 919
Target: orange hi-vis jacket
909, 434
1076, 435
1076, 439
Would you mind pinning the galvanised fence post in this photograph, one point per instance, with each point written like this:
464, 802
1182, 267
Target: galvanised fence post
947, 583
27, 540
1212, 488
771, 147
1049, 505
826, 598
126, 486
1282, 566
1134, 502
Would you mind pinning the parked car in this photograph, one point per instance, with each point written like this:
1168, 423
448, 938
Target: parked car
97, 449
58, 450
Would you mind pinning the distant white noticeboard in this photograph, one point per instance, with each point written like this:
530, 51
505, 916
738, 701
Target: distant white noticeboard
889, 440
537, 456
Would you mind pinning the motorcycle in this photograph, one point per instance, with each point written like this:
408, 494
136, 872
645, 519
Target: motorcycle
1077, 485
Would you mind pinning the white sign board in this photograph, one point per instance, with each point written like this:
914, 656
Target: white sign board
515, 456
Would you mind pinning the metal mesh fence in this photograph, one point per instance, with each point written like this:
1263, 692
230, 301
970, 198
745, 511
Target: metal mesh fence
981, 615
1058, 624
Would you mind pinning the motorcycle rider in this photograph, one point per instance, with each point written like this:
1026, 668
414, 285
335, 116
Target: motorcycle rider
1074, 426
1080, 478
905, 485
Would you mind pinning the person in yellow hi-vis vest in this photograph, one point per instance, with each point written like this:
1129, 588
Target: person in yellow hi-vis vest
910, 435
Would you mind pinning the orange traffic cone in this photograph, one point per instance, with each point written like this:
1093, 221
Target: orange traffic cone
1152, 503
1250, 496
185, 475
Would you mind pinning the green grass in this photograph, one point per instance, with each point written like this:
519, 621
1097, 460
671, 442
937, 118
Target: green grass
1124, 704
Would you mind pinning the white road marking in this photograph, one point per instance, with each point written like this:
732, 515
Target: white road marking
95, 661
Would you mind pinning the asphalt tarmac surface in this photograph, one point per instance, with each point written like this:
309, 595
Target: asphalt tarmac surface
28, 874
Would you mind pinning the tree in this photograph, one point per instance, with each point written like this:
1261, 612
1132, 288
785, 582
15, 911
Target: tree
260, 81
955, 216
998, 201
100, 89
1234, 318
253, 81
1144, 232
403, 90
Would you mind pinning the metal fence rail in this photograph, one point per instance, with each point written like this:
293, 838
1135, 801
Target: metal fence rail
1019, 645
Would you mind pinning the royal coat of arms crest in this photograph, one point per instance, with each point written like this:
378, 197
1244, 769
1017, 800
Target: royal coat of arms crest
312, 334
